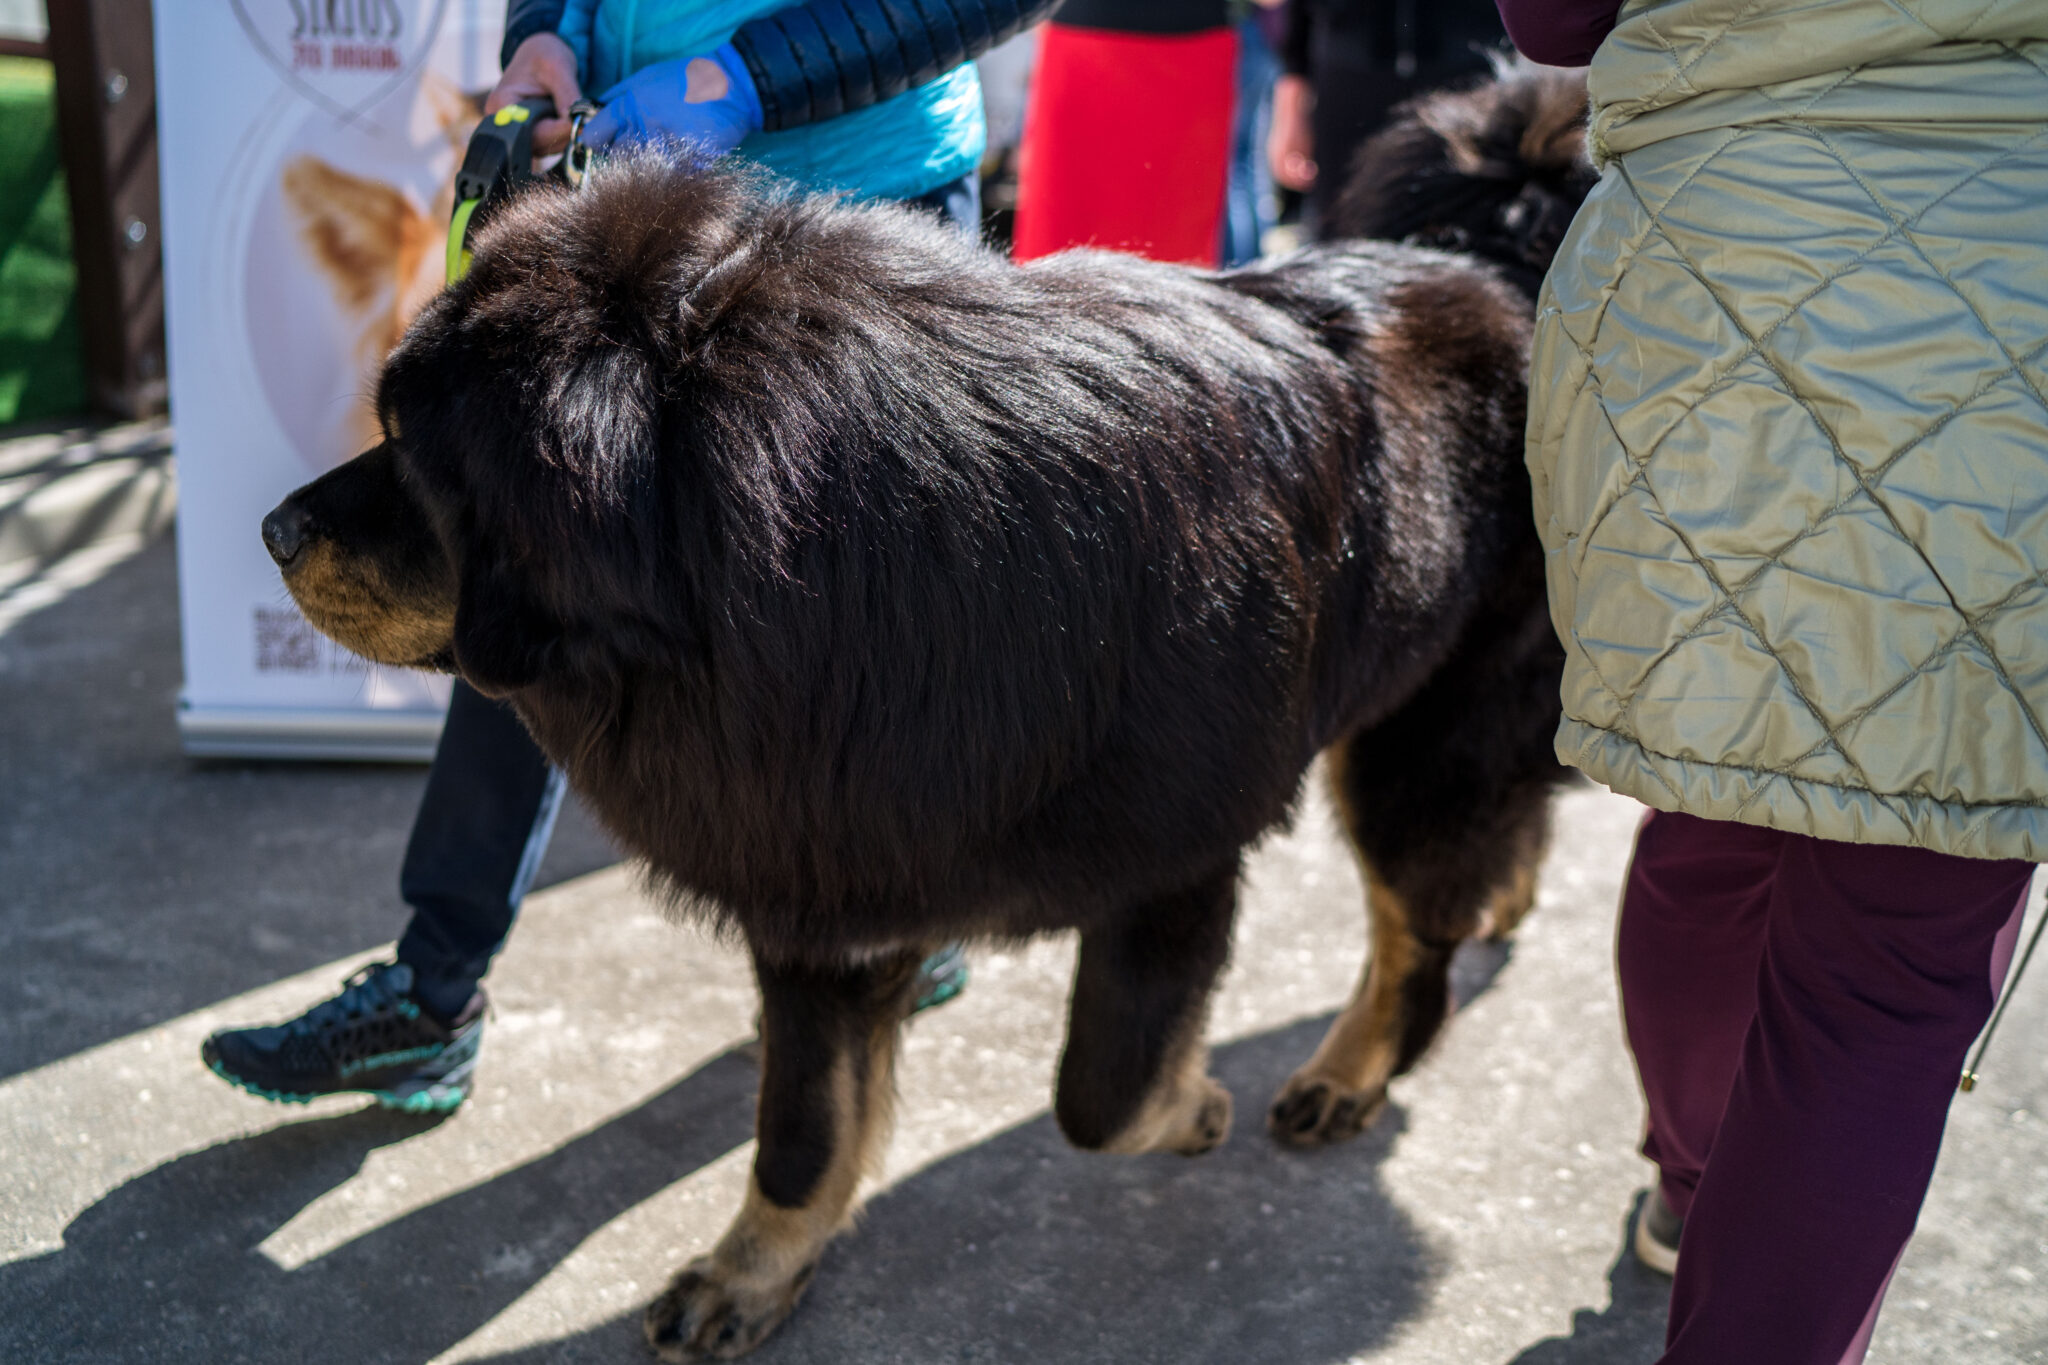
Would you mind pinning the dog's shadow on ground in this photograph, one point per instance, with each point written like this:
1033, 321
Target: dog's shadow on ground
1016, 1249
1020, 1249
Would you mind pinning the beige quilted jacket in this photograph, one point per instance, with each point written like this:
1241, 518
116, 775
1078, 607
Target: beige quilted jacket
1789, 420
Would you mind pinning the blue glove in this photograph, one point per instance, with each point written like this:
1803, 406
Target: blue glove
656, 102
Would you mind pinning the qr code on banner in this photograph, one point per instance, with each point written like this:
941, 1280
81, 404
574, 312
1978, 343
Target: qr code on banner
287, 643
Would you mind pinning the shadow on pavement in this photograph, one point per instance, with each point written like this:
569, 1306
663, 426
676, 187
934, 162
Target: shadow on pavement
1475, 966
1017, 1249
1021, 1249
1629, 1331
166, 1268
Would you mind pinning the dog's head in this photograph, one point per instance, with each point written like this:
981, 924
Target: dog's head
544, 478
432, 549
1496, 171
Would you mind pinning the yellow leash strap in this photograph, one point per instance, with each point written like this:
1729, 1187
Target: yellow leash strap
499, 156
459, 255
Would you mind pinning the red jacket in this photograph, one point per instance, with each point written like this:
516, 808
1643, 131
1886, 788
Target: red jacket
1127, 137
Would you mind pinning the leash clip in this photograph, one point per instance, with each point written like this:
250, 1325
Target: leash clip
576, 160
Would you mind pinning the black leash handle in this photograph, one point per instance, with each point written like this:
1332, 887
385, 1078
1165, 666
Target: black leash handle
499, 159
499, 156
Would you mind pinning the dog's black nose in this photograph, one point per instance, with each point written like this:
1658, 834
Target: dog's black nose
284, 533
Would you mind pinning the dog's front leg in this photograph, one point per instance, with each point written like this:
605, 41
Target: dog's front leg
1134, 1077
828, 1048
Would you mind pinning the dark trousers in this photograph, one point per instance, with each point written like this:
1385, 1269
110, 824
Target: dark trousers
481, 831
1799, 1011
1364, 59
1246, 214
491, 798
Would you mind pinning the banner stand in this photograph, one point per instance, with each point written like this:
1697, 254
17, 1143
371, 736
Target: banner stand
308, 156
273, 732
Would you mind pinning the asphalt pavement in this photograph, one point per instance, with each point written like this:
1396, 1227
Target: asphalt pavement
150, 1213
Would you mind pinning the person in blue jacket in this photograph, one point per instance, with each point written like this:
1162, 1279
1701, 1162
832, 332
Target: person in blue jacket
876, 99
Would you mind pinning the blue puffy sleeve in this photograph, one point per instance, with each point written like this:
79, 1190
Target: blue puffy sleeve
523, 19
825, 58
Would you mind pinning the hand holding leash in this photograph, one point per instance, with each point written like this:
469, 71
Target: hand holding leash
544, 68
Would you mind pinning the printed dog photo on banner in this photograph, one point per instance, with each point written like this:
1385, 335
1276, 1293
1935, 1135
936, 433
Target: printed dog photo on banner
359, 211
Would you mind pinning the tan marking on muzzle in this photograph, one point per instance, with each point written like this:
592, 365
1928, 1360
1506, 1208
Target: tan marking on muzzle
348, 600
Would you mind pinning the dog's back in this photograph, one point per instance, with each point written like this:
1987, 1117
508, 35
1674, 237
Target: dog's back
1490, 178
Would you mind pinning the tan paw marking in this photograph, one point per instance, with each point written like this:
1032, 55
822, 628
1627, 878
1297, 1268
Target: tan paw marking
1208, 1123
705, 1316
1312, 1110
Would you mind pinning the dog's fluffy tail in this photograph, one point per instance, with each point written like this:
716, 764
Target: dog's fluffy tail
1495, 171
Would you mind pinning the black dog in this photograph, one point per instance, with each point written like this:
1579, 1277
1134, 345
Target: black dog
1497, 172
879, 593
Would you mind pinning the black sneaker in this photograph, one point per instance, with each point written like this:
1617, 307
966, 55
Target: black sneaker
940, 977
373, 1039
1657, 1233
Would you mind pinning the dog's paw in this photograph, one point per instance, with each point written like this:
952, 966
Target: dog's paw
1208, 1122
1314, 1111
703, 1316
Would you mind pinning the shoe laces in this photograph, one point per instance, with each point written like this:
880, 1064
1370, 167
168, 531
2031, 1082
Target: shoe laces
365, 994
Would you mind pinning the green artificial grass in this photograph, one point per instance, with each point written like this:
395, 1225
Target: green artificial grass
42, 373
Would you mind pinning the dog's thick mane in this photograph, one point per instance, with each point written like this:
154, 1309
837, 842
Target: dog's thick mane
820, 465
1496, 171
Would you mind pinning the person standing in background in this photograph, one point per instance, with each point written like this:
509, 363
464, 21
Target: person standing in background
1348, 63
1127, 135
1788, 438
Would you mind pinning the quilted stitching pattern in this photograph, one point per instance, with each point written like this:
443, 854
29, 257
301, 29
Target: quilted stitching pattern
1790, 438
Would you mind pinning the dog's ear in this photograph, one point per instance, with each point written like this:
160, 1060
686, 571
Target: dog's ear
505, 638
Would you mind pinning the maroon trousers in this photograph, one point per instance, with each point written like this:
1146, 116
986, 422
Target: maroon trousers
1799, 1011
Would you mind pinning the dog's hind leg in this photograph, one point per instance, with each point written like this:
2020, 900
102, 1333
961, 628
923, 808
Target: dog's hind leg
828, 1052
1448, 807
1512, 902
1134, 1076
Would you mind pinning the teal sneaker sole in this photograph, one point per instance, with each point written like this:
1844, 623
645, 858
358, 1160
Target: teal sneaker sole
437, 1099
944, 975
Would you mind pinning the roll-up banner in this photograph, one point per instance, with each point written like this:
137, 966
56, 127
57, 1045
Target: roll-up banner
308, 152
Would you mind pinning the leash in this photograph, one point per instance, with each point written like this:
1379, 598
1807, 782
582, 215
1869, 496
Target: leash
499, 160
1969, 1080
